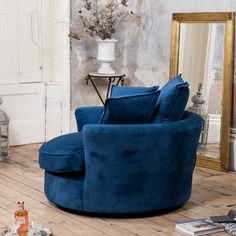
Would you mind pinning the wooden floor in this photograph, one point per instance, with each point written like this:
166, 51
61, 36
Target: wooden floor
21, 179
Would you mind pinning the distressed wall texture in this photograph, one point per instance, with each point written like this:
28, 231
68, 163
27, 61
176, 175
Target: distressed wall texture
142, 53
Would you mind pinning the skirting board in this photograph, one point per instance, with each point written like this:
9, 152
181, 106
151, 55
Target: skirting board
232, 164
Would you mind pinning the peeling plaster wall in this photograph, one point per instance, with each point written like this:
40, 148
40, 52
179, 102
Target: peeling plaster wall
137, 54
142, 53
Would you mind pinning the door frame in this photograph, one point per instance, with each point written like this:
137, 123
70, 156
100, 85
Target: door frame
56, 27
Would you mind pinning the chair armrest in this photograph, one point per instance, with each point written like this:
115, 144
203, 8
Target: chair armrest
126, 160
88, 115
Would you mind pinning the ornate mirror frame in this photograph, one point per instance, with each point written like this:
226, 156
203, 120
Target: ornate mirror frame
228, 18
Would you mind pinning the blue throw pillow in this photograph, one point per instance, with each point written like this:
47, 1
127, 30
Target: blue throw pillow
117, 91
172, 101
133, 109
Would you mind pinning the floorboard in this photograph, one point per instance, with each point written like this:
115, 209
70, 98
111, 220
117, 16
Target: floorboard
21, 179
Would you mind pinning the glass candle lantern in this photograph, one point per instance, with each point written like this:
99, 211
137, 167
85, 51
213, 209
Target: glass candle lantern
4, 131
197, 107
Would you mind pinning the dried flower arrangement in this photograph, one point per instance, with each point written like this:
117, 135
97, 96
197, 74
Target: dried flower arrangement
100, 20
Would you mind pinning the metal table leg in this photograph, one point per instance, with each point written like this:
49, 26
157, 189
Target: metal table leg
111, 79
99, 95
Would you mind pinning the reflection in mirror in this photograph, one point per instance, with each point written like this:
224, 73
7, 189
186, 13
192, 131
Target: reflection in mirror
202, 49
201, 61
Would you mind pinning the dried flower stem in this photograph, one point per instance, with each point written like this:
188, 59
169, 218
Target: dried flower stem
100, 20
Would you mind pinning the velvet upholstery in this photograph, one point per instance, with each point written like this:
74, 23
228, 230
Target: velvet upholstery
131, 109
172, 101
139, 168
118, 91
134, 168
88, 115
63, 154
64, 190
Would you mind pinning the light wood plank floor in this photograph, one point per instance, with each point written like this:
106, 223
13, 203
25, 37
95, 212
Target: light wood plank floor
21, 179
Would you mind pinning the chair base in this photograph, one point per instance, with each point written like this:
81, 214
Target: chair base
121, 215
66, 192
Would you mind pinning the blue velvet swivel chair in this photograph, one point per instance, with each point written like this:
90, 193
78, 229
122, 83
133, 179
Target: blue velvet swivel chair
122, 168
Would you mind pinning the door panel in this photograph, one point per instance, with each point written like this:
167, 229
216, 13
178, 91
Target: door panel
29, 41
24, 104
21, 85
9, 41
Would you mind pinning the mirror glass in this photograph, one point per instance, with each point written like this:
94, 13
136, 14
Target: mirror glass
201, 62
202, 50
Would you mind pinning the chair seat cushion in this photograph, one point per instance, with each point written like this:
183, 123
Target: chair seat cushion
63, 154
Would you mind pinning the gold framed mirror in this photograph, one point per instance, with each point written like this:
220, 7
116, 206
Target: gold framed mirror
202, 50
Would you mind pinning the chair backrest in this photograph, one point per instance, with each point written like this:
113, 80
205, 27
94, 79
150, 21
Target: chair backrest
139, 168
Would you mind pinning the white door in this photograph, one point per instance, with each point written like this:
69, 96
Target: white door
21, 84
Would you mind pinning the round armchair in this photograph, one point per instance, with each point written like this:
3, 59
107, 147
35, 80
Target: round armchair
135, 168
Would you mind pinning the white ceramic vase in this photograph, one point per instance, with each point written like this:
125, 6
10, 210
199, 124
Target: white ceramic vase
106, 55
